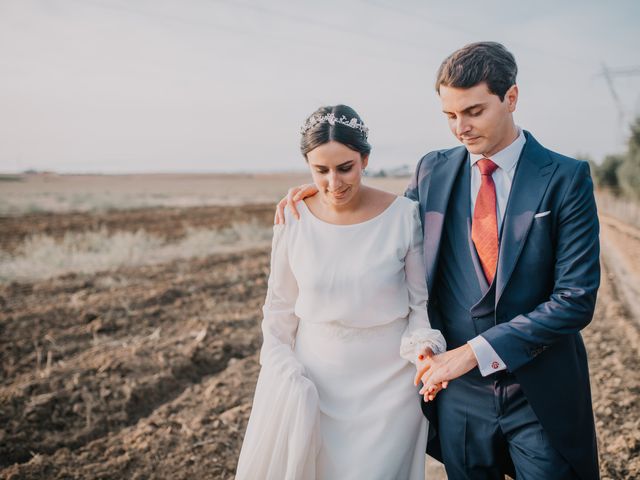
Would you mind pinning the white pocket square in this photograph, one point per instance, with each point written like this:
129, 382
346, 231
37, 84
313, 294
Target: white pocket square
542, 214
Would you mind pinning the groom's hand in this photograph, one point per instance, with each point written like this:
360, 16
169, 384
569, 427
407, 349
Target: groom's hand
446, 367
293, 195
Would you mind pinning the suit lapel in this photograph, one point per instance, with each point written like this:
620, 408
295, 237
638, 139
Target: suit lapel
440, 184
530, 182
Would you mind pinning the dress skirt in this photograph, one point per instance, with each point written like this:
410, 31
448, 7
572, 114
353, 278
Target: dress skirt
366, 397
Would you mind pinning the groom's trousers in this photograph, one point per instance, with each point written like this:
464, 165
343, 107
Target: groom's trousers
487, 428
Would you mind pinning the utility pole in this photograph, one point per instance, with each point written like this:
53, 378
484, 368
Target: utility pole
609, 74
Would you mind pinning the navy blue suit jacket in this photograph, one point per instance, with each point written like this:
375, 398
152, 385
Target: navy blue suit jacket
547, 278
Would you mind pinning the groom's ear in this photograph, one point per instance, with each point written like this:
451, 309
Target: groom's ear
511, 97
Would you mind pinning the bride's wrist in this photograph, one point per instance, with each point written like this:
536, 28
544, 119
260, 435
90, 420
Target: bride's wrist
424, 352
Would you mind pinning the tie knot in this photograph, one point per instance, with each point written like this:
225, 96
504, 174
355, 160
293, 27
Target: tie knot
486, 166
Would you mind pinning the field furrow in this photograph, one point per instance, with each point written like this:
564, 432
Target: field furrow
119, 353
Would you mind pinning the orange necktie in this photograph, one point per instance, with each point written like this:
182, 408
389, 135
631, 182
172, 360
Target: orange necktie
484, 229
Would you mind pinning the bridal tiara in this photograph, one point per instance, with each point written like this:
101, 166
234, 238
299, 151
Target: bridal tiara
332, 120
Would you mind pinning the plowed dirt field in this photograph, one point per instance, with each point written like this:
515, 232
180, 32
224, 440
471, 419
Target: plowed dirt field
148, 371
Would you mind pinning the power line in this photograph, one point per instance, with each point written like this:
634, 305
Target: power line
583, 62
262, 35
609, 74
622, 72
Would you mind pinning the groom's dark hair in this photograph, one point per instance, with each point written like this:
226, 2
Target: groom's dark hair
479, 62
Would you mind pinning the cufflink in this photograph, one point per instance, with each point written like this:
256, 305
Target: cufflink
495, 365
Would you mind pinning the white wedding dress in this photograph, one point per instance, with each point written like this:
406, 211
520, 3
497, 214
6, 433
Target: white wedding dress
344, 318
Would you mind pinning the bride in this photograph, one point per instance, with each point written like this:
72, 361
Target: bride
345, 322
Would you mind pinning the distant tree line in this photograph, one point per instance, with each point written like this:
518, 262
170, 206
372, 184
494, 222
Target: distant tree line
620, 173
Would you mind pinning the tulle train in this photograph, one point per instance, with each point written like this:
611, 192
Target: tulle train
282, 438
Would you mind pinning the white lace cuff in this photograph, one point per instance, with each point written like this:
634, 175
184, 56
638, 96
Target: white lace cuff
416, 341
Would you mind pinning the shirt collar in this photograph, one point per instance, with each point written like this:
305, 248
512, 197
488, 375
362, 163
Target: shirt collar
507, 158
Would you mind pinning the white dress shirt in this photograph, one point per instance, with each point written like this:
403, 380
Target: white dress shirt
488, 360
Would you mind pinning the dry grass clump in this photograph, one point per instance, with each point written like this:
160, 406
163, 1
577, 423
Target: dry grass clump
41, 256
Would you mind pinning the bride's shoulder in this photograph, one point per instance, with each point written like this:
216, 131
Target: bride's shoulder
407, 203
409, 206
410, 212
290, 219
290, 226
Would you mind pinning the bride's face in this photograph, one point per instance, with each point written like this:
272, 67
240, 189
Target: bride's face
336, 171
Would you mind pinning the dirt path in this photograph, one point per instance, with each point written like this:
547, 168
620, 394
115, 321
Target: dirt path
613, 343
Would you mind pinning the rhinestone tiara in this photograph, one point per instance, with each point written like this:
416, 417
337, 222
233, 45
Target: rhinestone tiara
332, 120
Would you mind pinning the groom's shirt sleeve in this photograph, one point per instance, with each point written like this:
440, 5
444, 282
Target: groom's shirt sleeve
488, 360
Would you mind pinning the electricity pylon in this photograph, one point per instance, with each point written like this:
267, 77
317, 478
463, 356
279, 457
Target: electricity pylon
609, 74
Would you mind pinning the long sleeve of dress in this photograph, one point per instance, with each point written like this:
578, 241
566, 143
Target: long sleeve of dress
282, 438
280, 323
418, 334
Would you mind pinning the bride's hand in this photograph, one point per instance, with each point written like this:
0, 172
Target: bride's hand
422, 365
293, 195
433, 391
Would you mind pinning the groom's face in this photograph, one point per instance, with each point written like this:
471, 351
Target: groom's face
478, 118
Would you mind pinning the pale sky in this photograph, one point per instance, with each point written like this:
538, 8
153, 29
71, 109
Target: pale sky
119, 86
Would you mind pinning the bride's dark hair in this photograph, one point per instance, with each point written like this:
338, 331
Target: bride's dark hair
324, 132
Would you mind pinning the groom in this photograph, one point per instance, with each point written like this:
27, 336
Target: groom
512, 259
511, 250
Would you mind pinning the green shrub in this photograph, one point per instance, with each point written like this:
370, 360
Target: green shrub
606, 174
629, 172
